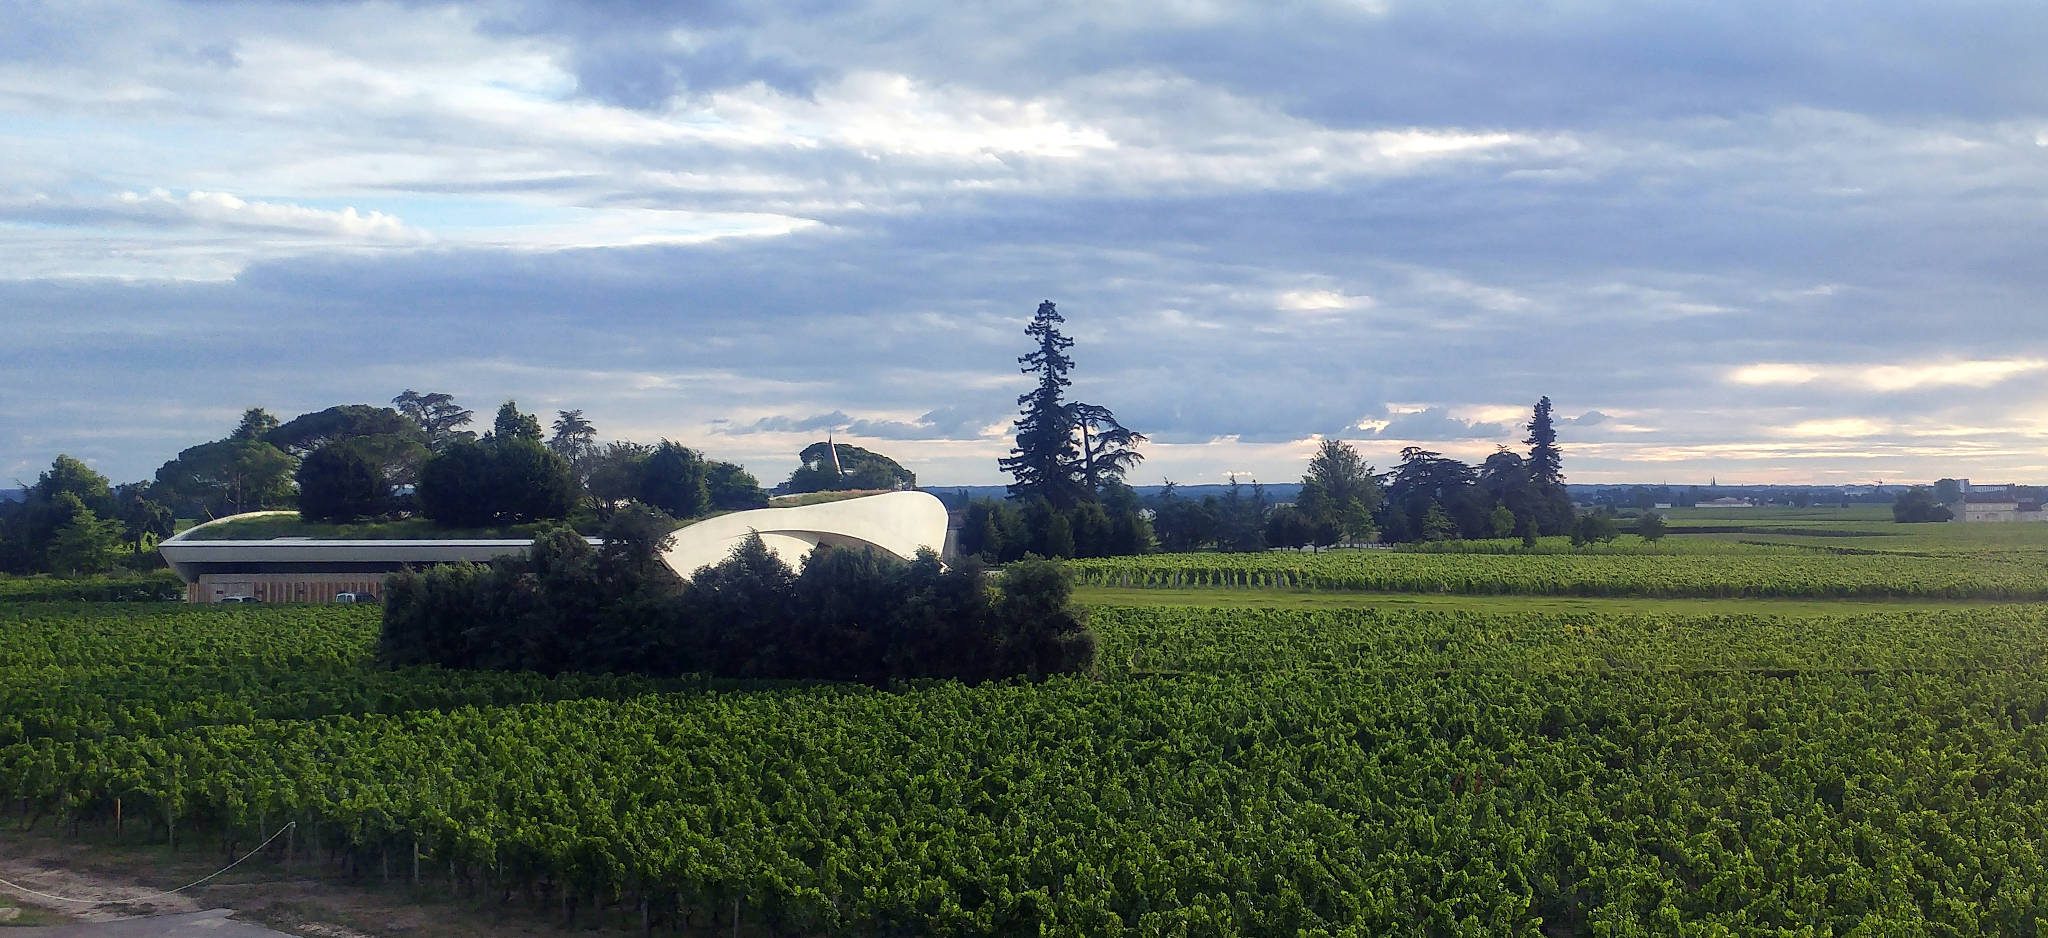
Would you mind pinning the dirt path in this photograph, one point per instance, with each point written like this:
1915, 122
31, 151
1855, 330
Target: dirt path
123, 885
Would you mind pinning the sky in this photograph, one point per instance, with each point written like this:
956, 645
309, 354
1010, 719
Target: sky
1745, 240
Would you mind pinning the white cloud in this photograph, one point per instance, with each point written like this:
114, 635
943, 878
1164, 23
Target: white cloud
1320, 301
1974, 374
220, 209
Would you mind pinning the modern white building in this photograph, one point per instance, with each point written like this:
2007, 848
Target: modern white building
305, 569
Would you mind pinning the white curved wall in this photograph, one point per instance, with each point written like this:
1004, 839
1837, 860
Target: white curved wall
896, 522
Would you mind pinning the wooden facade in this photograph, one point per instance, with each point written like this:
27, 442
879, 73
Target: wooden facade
282, 587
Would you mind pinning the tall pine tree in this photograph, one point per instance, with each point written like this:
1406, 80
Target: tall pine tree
1552, 505
1045, 459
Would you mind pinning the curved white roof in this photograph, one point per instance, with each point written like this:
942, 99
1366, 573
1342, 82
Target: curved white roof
896, 522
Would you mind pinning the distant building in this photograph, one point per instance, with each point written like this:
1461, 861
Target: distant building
1999, 503
1724, 502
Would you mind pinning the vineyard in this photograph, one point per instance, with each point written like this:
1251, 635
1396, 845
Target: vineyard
1226, 772
1697, 570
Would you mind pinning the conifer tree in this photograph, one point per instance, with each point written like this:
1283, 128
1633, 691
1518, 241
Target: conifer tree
1045, 459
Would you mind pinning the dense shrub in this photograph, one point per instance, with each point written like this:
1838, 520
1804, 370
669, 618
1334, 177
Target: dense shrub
144, 587
853, 615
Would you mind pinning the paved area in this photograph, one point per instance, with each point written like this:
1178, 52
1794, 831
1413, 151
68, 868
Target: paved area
212, 923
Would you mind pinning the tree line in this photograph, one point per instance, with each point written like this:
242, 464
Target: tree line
417, 458
1427, 497
851, 615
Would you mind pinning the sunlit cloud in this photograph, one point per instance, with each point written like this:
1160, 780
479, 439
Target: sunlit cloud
1973, 374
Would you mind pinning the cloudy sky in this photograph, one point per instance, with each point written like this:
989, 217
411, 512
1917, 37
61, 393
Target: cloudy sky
1752, 240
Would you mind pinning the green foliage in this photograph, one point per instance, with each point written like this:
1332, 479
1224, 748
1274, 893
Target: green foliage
228, 477
529, 482
1651, 526
1919, 506
436, 414
82, 543
1503, 521
674, 479
305, 433
1222, 773
1437, 526
1594, 528
340, 482
1046, 460
730, 487
455, 487
511, 424
1341, 491
154, 586
1728, 570
856, 469
256, 425
501, 481
851, 615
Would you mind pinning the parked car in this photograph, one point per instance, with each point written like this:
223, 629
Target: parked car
355, 597
238, 599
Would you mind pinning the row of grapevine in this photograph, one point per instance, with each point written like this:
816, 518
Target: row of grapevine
1783, 572
1230, 772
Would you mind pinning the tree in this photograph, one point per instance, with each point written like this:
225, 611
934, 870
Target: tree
308, 432
1045, 460
575, 438
82, 543
142, 516
614, 474
1918, 506
1503, 522
1108, 448
1288, 527
513, 425
1426, 480
1436, 525
436, 413
1551, 504
673, 479
455, 487
340, 482
730, 487
48, 505
1038, 630
1340, 490
256, 425
230, 476
530, 483
1651, 526
1183, 524
831, 467
67, 475
1948, 491
1593, 528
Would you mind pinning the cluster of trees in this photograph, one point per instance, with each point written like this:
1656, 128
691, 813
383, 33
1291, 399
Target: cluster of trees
1068, 465
355, 462
1006, 531
1921, 505
850, 615
1343, 500
73, 522
512, 474
839, 467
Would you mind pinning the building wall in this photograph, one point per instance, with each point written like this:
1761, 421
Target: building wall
283, 587
2000, 512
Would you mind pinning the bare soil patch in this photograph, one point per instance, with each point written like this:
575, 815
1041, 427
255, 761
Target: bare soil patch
123, 882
